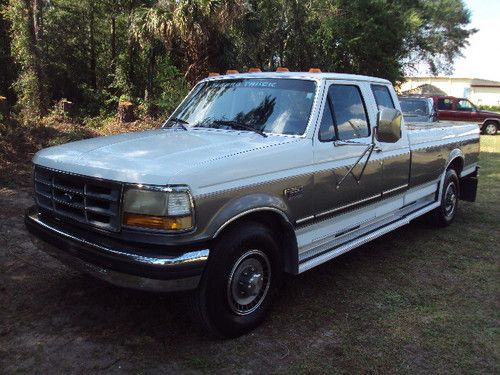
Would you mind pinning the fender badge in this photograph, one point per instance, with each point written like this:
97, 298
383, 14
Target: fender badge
293, 192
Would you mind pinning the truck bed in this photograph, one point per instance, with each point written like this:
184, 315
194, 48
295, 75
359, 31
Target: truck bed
440, 133
433, 144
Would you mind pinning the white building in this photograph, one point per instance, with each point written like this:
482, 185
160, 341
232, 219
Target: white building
478, 91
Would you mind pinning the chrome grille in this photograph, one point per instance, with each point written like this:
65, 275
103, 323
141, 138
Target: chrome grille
77, 198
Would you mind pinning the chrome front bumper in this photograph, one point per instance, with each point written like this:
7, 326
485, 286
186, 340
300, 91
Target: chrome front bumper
117, 266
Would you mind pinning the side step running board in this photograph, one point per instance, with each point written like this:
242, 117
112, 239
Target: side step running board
335, 252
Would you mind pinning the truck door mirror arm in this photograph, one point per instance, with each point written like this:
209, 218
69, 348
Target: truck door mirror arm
369, 148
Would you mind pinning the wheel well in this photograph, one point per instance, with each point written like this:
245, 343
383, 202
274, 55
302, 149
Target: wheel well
495, 121
283, 230
457, 164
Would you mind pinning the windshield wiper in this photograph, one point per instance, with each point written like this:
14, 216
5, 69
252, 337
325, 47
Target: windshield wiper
180, 122
241, 125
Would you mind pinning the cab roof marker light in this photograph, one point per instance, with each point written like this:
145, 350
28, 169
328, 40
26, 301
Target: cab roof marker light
282, 69
232, 71
213, 74
314, 70
254, 70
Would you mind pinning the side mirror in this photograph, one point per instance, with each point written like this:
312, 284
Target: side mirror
389, 125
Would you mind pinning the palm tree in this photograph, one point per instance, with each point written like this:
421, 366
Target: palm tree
150, 27
201, 26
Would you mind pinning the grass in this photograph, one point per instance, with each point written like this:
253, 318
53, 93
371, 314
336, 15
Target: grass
419, 300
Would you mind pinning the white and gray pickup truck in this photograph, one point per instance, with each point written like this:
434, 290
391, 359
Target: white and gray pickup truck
254, 175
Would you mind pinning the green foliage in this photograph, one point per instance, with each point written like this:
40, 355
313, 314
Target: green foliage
7, 73
439, 33
170, 87
96, 102
373, 37
150, 52
26, 51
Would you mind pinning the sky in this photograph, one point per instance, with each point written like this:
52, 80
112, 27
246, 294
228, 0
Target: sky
482, 57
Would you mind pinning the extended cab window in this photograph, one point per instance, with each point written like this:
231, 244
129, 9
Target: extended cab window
465, 105
344, 116
382, 96
445, 104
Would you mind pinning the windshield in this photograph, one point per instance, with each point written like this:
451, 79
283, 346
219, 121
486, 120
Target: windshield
414, 107
280, 106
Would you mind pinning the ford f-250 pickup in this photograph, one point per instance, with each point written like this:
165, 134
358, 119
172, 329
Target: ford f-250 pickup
254, 175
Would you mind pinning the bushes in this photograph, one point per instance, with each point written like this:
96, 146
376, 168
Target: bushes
19, 142
494, 108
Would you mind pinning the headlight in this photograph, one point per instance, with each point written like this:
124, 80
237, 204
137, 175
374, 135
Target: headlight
168, 209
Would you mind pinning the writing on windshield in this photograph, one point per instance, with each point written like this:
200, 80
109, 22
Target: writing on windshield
280, 106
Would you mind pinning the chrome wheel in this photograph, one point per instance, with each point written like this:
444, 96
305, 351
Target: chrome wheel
490, 129
249, 282
450, 200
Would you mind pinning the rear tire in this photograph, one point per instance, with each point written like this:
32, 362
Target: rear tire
490, 128
243, 273
444, 215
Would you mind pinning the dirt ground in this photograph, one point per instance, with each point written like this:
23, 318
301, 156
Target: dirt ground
416, 301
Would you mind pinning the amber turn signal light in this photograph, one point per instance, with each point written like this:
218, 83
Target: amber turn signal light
158, 222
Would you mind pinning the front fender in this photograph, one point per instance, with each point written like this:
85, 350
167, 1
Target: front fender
241, 206
490, 119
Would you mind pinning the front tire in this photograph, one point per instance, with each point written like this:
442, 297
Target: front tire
242, 276
444, 215
490, 128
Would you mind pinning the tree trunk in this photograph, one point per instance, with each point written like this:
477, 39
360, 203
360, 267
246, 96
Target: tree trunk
93, 63
130, 52
148, 92
6, 75
38, 21
35, 61
113, 44
126, 112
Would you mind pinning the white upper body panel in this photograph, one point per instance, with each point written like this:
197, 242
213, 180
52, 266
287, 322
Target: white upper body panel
427, 134
208, 160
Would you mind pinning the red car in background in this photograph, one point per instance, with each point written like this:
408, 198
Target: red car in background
450, 108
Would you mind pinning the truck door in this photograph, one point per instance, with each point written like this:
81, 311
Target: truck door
342, 138
396, 156
465, 111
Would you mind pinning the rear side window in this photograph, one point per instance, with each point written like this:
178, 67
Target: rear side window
445, 104
382, 97
344, 116
465, 105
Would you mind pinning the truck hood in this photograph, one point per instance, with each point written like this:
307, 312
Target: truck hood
489, 114
154, 156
